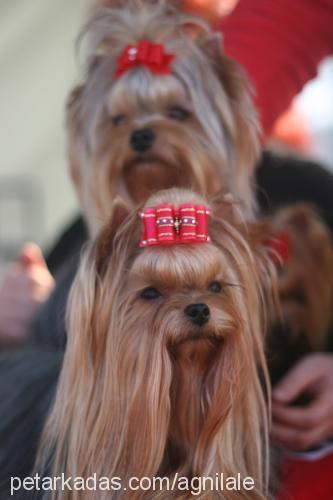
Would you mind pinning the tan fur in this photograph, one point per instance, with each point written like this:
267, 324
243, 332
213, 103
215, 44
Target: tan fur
215, 147
305, 283
144, 391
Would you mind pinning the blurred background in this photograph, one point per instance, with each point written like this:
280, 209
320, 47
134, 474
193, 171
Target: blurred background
37, 70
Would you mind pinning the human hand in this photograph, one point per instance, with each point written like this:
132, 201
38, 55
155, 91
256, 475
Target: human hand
26, 284
302, 427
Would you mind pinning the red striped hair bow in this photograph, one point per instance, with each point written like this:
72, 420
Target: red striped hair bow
168, 225
151, 55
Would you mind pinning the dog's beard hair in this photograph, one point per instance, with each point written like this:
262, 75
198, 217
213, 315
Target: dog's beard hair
122, 408
220, 138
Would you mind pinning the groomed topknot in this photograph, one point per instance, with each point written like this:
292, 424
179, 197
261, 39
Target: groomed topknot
115, 24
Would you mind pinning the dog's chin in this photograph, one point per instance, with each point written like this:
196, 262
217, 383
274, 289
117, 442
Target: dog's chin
142, 161
145, 175
199, 337
197, 350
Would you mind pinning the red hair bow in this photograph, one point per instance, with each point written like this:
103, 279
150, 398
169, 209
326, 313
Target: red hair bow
168, 225
281, 248
151, 55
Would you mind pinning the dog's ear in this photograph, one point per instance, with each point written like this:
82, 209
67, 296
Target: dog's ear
298, 217
104, 243
209, 10
73, 124
245, 130
227, 70
224, 207
256, 232
72, 104
194, 29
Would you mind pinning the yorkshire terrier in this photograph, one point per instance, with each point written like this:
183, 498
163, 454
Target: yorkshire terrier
303, 251
165, 346
160, 106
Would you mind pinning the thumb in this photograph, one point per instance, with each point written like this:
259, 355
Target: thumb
30, 255
295, 382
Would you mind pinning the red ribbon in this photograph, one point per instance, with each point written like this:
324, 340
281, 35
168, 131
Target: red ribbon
280, 246
168, 225
151, 55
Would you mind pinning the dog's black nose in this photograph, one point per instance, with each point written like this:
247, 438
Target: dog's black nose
198, 313
142, 140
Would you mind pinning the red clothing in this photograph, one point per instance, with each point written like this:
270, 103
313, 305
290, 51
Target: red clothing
280, 44
305, 480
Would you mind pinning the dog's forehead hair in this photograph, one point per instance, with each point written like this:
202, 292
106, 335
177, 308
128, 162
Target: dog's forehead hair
141, 89
179, 265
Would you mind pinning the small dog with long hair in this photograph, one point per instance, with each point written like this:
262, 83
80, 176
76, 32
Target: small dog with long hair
165, 345
160, 106
303, 248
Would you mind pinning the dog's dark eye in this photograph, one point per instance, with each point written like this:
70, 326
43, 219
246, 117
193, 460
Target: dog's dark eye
118, 120
215, 287
178, 113
150, 293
